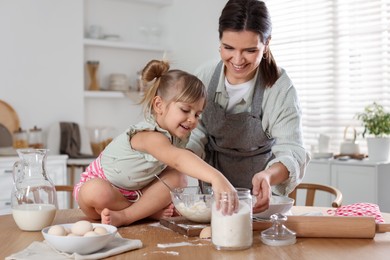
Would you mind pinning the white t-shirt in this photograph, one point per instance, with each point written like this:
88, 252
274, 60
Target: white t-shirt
237, 92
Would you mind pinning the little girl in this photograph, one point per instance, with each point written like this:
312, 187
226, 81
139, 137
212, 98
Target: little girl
120, 186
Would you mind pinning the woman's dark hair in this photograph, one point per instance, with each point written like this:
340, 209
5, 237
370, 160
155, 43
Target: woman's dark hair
251, 15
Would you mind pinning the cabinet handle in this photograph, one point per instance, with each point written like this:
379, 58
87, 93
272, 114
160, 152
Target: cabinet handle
8, 171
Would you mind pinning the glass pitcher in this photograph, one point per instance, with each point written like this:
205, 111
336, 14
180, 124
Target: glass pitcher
34, 198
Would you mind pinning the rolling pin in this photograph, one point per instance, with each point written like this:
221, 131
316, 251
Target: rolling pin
329, 226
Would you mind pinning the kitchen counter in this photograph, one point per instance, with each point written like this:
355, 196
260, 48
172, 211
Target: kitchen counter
151, 233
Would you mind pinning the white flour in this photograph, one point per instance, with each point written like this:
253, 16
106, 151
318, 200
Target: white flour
234, 231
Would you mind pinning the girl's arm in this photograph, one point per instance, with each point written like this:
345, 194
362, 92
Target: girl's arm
160, 147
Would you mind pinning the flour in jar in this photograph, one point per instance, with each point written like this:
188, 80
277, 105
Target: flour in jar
197, 212
234, 231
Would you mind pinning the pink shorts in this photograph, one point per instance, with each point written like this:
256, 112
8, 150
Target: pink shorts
94, 170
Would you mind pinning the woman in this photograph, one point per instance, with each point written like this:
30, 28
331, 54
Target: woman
250, 129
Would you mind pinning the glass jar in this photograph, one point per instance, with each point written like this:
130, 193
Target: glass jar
35, 138
20, 139
233, 232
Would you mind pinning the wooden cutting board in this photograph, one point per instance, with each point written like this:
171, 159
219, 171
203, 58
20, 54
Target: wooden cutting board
183, 226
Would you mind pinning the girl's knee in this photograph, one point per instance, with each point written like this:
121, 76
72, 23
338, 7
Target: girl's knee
175, 178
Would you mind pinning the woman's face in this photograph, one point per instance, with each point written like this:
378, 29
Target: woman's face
241, 52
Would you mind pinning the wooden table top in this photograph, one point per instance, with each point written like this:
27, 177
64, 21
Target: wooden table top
152, 234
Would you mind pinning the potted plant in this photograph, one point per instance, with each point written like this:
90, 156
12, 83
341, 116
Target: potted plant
376, 123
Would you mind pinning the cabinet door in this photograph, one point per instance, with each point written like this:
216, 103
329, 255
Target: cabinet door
357, 183
317, 172
6, 184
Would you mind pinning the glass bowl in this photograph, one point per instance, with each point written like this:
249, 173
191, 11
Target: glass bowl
192, 204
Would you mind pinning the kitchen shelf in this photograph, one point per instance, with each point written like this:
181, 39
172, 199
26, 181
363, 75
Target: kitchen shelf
123, 45
154, 2
135, 96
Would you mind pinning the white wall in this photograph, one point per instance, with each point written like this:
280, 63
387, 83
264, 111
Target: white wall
192, 31
41, 50
41, 60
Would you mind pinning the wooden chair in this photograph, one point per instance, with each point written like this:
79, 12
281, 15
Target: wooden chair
68, 189
311, 189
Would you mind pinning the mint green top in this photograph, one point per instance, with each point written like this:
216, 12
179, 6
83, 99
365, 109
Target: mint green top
129, 169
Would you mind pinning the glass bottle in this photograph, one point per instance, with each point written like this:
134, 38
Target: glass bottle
33, 198
233, 232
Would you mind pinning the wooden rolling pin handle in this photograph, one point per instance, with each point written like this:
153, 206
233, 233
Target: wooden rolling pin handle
382, 228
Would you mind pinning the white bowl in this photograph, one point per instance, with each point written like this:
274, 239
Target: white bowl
278, 204
192, 204
79, 244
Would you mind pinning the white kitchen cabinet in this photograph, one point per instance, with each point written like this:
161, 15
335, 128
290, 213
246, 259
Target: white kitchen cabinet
56, 169
138, 26
359, 181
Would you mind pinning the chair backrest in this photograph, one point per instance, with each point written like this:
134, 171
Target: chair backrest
68, 189
311, 189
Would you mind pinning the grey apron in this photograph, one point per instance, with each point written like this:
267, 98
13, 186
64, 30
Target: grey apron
237, 145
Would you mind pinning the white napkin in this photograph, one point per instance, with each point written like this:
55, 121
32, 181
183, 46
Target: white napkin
42, 250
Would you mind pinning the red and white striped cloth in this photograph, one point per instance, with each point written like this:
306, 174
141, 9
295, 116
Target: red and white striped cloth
358, 209
95, 170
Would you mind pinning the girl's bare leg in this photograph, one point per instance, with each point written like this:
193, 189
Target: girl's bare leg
155, 202
97, 194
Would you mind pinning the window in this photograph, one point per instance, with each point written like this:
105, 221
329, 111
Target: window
337, 53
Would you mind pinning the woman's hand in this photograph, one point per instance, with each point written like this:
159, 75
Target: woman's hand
262, 191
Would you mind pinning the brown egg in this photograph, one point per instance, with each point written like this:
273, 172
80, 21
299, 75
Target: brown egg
81, 227
100, 230
57, 230
205, 233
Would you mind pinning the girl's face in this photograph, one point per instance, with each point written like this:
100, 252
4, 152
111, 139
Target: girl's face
178, 118
241, 52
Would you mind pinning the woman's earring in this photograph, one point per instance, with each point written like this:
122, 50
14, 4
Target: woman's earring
265, 56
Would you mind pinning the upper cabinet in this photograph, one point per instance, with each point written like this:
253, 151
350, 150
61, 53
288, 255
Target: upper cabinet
120, 37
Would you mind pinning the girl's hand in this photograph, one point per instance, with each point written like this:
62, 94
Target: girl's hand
226, 198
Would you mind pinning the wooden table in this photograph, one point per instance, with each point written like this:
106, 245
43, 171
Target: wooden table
152, 233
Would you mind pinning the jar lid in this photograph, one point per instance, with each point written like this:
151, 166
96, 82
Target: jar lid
19, 131
35, 129
278, 234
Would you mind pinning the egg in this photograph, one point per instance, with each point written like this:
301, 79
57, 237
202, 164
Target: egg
100, 230
205, 233
81, 227
57, 230
91, 234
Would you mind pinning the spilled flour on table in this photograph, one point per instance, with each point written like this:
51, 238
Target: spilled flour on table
162, 252
178, 244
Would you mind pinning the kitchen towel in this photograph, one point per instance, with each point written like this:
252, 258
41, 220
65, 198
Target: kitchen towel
70, 143
359, 209
43, 250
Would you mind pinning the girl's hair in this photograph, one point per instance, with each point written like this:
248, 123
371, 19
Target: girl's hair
170, 85
251, 15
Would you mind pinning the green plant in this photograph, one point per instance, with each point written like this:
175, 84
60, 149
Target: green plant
375, 120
